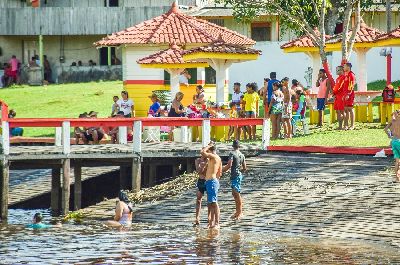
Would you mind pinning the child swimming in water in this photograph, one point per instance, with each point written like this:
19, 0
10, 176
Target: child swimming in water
37, 223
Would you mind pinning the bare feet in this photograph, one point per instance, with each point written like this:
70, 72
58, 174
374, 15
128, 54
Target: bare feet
196, 223
239, 216
234, 215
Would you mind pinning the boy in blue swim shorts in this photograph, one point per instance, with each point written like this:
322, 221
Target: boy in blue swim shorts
236, 163
393, 132
201, 167
213, 173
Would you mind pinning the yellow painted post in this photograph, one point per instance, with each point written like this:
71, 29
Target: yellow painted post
382, 112
363, 110
357, 113
370, 113
332, 114
389, 111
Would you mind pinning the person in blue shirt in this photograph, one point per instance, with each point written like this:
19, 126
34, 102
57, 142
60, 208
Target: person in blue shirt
268, 96
155, 108
37, 223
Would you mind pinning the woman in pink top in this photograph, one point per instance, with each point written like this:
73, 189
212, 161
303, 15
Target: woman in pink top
324, 86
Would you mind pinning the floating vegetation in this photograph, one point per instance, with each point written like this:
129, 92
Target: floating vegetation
76, 216
165, 190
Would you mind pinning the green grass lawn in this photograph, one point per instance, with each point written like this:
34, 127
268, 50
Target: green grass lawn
71, 99
59, 101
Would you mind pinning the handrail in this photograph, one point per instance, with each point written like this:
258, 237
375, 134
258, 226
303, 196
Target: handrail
116, 122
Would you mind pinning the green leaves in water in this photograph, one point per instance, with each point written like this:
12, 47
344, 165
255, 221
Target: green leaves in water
76, 216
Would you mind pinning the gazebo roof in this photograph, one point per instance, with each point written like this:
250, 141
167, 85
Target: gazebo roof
302, 44
221, 50
174, 27
391, 38
364, 37
169, 58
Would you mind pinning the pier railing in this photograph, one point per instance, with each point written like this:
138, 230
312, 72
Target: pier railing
63, 128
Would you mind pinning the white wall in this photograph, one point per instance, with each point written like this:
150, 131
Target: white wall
294, 65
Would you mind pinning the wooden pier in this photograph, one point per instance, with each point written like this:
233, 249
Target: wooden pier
63, 157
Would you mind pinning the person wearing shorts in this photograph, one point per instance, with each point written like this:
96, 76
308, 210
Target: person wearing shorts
251, 99
236, 163
324, 86
339, 91
349, 82
201, 167
393, 132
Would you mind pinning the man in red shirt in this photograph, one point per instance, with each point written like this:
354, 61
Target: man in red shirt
349, 82
339, 92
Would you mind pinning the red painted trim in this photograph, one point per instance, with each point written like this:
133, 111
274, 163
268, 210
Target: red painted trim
201, 82
114, 122
144, 82
330, 150
4, 111
226, 82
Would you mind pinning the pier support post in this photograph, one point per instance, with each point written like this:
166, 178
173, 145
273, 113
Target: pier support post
189, 166
136, 174
55, 190
206, 131
65, 187
123, 177
266, 134
66, 135
78, 185
152, 175
4, 182
5, 137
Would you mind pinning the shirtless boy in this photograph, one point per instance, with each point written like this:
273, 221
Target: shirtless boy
201, 167
393, 132
236, 164
287, 109
213, 173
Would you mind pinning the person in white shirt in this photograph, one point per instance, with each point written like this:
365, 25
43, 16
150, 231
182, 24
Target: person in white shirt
126, 105
236, 96
184, 78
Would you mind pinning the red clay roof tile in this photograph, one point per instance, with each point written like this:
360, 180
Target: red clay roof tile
364, 35
394, 34
221, 47
174, 27
304, 41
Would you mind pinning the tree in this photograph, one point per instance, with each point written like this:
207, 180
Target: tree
305, 15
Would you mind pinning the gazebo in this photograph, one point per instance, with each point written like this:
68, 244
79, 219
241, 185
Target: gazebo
306, 45
364, 41
155, 35
221, 56
172, 61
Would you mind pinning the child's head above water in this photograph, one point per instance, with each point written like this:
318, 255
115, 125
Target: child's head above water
37, 218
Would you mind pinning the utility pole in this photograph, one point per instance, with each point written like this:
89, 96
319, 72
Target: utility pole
389, 15
388, 56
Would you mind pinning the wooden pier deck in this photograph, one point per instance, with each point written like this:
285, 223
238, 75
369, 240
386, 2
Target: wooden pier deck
316, 195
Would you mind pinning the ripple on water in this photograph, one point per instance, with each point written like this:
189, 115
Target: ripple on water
175, 244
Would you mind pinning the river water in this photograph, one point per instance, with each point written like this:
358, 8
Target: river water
180, 243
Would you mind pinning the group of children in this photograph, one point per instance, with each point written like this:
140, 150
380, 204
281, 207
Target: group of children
209, 167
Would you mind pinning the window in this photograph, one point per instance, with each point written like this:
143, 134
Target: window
104, 55
110, 3
219, 22
261, 31
211, 76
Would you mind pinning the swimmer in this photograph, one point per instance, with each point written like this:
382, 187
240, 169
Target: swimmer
213, 173
236, 163
37, 223
201, 167
393, 132
123, 212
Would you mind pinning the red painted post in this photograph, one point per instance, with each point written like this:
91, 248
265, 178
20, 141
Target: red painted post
4, 111
388, 69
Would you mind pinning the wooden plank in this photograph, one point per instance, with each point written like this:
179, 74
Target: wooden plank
65, 196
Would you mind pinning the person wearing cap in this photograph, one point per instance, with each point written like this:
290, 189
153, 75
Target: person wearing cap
155, 108
349, 82
236, 163
38, 224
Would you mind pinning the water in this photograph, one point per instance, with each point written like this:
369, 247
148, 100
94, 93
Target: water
180, 243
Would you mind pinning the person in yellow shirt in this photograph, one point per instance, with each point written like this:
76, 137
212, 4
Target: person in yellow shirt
251, 99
